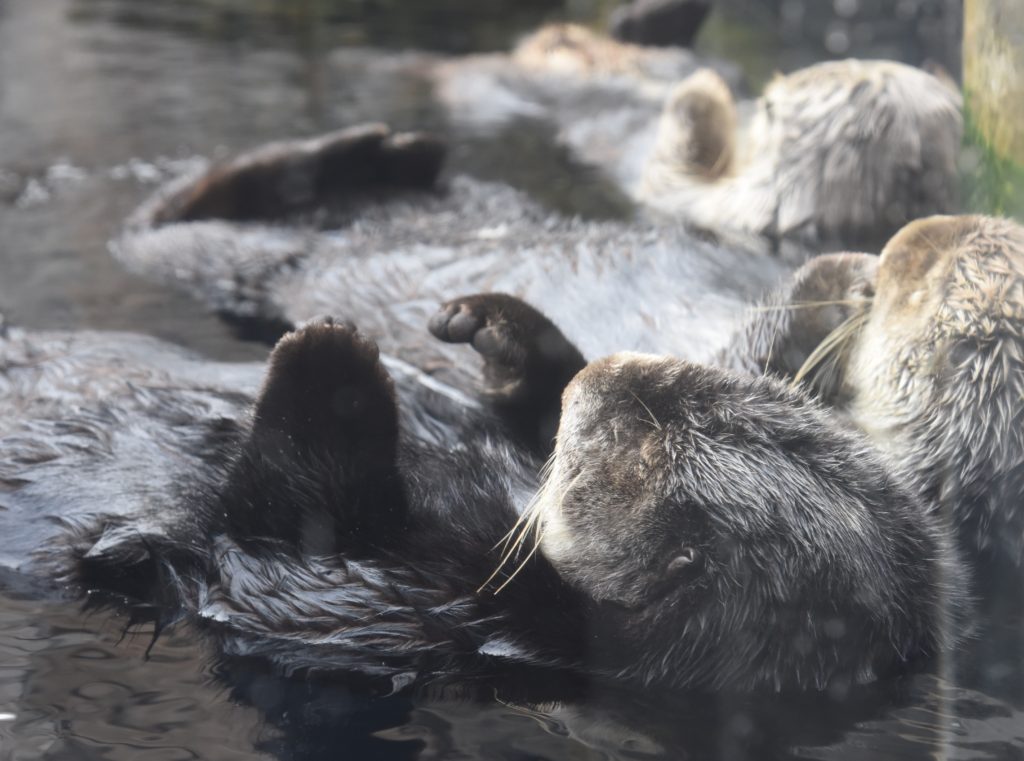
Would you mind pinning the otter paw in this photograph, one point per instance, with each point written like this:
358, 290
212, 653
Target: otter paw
527, 360
496, 325
326, 389
295, 175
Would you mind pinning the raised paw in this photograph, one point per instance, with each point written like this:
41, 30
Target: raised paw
527, 360
288, 176
519, 344
326, 390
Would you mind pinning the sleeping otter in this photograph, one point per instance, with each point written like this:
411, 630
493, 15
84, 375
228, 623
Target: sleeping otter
922, 349
222, 234
599, 97
840, 153
390, 254
313, 539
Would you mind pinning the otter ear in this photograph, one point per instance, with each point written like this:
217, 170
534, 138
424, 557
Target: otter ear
687, 561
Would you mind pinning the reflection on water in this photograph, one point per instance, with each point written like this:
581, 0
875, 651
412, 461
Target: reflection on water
71, 688
123, 94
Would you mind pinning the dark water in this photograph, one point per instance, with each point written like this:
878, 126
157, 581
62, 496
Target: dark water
100, 100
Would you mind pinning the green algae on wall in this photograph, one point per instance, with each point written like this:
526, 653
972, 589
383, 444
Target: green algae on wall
994, 106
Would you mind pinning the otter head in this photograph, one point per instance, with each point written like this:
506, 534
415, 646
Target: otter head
729, 533
936, 376
606, 510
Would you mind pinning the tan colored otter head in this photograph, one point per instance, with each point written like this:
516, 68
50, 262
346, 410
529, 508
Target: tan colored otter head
575, 50
936, 376
734, 514
841, 151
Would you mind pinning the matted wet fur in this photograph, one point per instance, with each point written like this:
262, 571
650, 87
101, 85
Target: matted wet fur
346, 223
292, 554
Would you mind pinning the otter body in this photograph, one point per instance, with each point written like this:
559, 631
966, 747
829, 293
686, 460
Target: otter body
840, 154
386, 262
347, 224
341, 533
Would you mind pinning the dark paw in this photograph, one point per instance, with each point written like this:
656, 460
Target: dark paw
523, 351
325, 388
527, 360
284, 177
499, 327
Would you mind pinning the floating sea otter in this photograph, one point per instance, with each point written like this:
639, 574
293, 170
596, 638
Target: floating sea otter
923, 349
841, 153
391, 253
811, 174
330, 536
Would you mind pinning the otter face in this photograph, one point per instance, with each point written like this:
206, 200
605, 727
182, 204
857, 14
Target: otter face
696, 505
937, 374
612, 517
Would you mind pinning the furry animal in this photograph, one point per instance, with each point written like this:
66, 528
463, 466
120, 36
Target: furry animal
385, 260
314, 541
840, 154
923, 349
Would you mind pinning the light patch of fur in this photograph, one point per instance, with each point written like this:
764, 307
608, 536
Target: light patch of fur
839, 150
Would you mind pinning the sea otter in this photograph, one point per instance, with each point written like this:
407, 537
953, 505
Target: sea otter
251, 247
338, 533
384, 256
838, 155
922, 348
600, 97
841, 153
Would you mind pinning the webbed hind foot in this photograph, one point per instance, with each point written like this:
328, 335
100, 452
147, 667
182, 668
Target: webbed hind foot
294, 175
319, 468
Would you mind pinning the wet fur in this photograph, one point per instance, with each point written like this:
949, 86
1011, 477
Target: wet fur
735, 513
385, 262
321, 542
934, 373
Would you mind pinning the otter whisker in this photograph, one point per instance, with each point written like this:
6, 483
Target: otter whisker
545, 472
831, 346
653, 420
807, 305
522, 565
529, 521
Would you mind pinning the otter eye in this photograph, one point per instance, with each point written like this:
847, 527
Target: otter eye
686, 559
